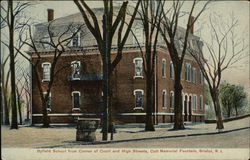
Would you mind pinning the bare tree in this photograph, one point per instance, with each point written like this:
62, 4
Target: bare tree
10, 19
149, 16
20, 89
226, 49
57, 43
169, 31
104, 43
27, 91
5, 90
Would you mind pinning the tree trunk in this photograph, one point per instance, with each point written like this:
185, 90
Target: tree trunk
105, 113
6, 111
229, 110
178, 118
43, 100
110, 104
19, 110
28, 107
149, 105
236, 110
45, 114
217, 110
14, 123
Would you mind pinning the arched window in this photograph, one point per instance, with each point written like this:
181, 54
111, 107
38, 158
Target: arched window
46, 71
164, 98
164, 65
171, 70
194, 78
188, 72
76, 102
172, 99
138, 67
138, 93
76, 69
194, 102
201, 102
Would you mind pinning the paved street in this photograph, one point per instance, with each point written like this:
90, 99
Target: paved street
196, 135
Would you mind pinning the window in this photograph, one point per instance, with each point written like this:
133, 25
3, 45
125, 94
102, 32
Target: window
46, 42
48, 102
138, 67
76, 40
138, 34
46, 71
76, 99
177, 44
194, 75
194, 102
164, 99
76, 69
188, 72
172, 99
164, 68
171, 70
138, 98
201, 78
201, 102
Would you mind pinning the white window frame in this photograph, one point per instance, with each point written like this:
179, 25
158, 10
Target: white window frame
134, 60
201, 102
164, 99
72, 65
44, 93
194, 75
171, 99
43, 64
188, 74
138, 90
171, 70
164, 66
194, 102
78, 40
44, 42
72, 95
138, 33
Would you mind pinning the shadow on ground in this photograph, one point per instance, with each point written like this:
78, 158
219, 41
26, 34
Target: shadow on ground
68, 144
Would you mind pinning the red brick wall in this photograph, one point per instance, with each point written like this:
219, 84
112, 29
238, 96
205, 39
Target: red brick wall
124, 85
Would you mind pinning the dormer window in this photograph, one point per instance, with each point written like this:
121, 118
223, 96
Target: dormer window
46, 42
76, 69
138, 35
76, 39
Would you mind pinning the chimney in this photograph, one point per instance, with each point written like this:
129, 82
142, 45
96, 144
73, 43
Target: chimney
50, 15
191, 22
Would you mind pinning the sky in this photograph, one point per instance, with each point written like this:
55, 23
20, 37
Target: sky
237, 75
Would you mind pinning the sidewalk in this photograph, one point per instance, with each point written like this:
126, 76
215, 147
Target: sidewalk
127, 136
192, 129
